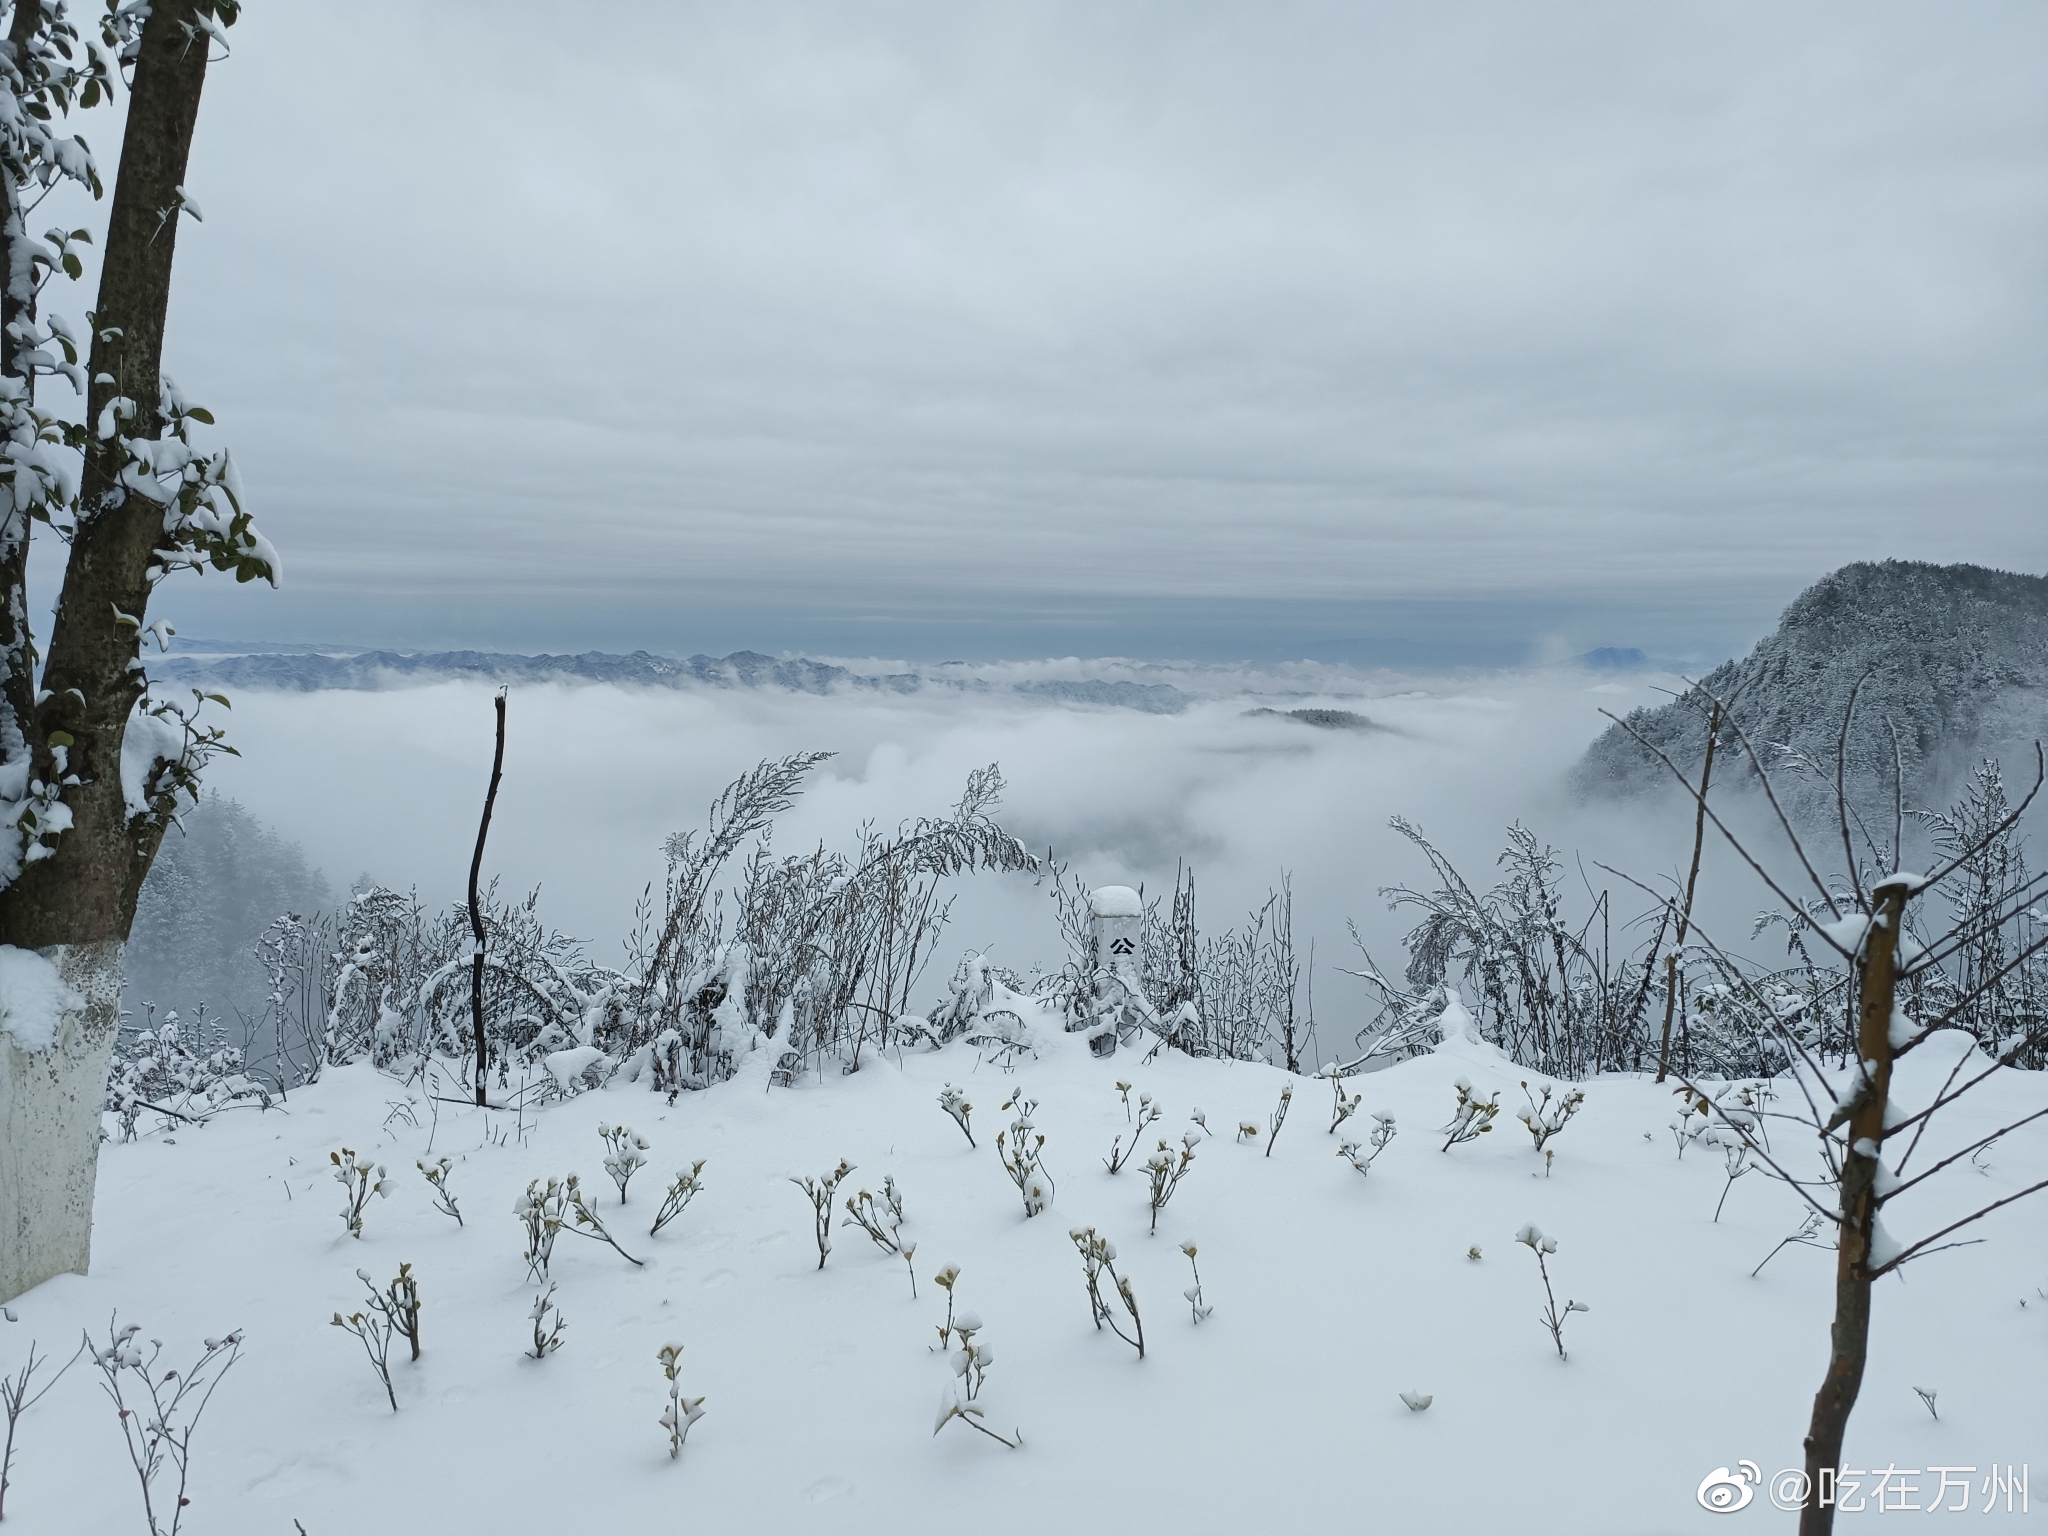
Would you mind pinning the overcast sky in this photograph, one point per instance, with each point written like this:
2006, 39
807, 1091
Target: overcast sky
1153, 329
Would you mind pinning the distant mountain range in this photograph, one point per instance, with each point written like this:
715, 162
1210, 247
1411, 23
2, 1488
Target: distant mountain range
311, 671
1953, 659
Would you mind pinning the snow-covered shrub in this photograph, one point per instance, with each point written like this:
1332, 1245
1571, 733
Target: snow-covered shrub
1021, 1148
1098, 1259
373, 1329
681, 1191
1472, 1117
970, 1363
1279, 1117
1553, 1319
548, 1324
1547, 1116
1346, 1105
954, 1103
1164, 1170
543, 1212
586, 1221
1199, 1308
355, 1175
819, 1192
1148, 1112
681, 1412
159, 1412
881, 1217
436, 1174
815, 954
183, 1071
1382, 1132
625, 1154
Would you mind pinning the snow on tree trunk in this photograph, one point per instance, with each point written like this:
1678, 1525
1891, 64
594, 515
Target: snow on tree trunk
50, 1124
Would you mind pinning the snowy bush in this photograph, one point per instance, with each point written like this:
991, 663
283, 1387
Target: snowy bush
1382, 1132
436, 1174
1020, 1147
681, 1191
1553, 1319
681, 1412
819, 1192
1148, 1112
548, 1324
880, 1217
1098, 1260
1471, 1118
955, 1104
1164, 1170
1546, 1116
625, 1154
185, 1072
355, 1175
543, 1212
159, 1412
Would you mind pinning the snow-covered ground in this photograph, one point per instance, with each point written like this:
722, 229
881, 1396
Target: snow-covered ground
1281, 1412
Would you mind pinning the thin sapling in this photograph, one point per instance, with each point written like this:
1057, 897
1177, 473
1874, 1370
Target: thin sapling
1279, 1117
16, 1397
1200, 1308
436, 1173
1531, 1237
954, 1102
681, 1412
1119, 1153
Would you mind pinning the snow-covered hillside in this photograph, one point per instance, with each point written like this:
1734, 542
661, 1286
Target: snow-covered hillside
1332, 1295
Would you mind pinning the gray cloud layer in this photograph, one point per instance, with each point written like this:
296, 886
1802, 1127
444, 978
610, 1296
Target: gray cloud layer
687, 325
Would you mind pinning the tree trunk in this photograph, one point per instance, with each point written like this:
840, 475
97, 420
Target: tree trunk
1850, 1335
76, 905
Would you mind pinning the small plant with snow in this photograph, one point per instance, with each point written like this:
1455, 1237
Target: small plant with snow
1148, 1112
436, 1174
1346, 1104
159, 1424
880, 1216
588, 1223
1695, 1116
1098, 1259
970, 1361
1417, 1401
680, 1412
373, 1330
625, 1154
1382, 1132
1247, 1130
548, 1324
359, 1178
1164, 1170
820, 1192
681, 1191
1736, 1161
1471, 1118
1279, 1117
1546, 1116
1553, 1319
543, 1211
1021, 1148
1200, 1120
954, 1102
1196, 1305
